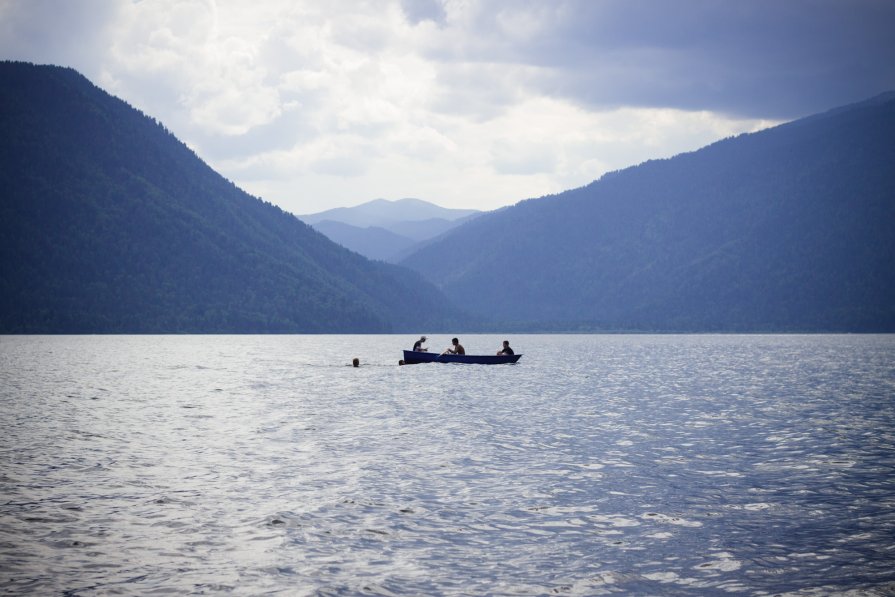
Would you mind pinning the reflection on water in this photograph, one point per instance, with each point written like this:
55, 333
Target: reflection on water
597, 465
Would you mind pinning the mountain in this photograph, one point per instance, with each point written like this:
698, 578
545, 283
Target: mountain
109, 224
385, 213
372, 242
787, 229
388, 230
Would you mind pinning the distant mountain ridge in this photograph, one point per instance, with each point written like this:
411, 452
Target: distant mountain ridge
388, 230
372, 242
109, 224
787, 229
384, 213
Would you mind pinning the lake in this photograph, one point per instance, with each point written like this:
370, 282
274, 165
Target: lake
597, 465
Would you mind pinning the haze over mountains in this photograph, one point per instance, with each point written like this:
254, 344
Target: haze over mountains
110, 224
788, 229
388, 230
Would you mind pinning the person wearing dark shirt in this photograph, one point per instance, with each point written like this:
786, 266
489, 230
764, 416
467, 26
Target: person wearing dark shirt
506, 349
418, 345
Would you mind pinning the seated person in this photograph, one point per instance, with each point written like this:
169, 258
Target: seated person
456, 348
506, 348
418, 345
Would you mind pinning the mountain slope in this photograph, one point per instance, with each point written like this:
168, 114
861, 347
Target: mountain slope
388, 230
425, 230
389, 245
787, 229
372, 242
109, 224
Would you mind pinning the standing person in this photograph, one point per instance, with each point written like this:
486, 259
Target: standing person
418, 345
456, 348
506, 349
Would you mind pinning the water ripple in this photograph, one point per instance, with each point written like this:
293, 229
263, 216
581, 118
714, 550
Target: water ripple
598, 465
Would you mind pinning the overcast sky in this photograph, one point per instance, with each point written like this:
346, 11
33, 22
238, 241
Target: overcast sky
465, 103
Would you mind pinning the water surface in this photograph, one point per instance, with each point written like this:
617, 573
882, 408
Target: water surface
675, 465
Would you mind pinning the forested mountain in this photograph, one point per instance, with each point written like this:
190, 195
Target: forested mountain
388, 230
108, 223
372, 242
788, 229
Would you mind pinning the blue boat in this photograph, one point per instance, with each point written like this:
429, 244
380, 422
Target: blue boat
413, 358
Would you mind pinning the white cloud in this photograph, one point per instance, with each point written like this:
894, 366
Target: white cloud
194, 64
474, 103
538, 147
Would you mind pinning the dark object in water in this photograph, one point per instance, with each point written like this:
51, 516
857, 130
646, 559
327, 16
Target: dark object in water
356, 362
412, 358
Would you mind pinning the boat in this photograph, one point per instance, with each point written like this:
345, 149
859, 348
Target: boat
414, 357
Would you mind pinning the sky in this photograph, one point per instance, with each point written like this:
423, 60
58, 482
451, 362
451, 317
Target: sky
478, 104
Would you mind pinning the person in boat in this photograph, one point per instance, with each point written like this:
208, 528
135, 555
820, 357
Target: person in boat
418, 345
355, 362
506, 349
455, 348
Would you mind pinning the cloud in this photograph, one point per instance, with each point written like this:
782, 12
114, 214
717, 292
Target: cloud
761, 58
45, 31
186, 54
539, 147
474, 103
417, 11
